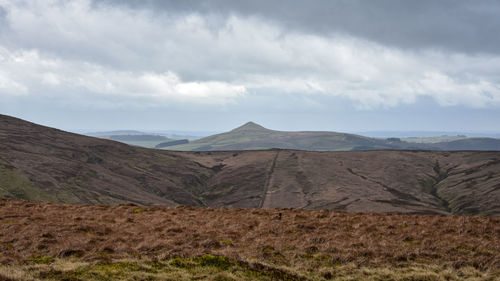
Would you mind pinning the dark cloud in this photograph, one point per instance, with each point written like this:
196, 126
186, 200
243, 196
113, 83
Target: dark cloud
457, 25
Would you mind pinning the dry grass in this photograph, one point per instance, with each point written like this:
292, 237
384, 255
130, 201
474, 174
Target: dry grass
209, 267
316, 245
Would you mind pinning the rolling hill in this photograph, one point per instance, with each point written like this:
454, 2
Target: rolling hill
46, 164
131, 137
252, 136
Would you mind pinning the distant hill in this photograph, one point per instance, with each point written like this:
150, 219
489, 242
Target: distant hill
118, 132
171, 143
435, 139
429, 134
46, 164
135, 138
174, 135
252, 136
130, 138
468, 144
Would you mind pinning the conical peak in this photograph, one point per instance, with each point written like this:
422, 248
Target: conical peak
251, 126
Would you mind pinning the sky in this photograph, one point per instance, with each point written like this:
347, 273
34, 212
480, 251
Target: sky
333, 65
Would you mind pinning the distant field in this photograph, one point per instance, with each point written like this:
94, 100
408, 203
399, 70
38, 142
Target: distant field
41, 241
433, 139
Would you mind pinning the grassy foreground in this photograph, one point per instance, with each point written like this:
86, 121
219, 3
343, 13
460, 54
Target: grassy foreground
43, 241
210, 267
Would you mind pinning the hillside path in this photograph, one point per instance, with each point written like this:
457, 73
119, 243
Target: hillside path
268, 179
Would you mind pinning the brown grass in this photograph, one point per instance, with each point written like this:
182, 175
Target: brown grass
189, 269
323, 242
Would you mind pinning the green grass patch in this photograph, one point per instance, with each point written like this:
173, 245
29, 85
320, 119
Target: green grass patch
40, 259
14, 184
227, 242
213, 267
218, 262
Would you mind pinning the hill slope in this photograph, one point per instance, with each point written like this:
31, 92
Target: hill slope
40, 163
252, 136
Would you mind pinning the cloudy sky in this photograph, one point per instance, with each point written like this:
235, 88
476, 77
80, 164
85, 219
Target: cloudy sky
343, 65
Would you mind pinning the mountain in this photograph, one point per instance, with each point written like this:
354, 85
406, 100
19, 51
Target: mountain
252, 136
46, 164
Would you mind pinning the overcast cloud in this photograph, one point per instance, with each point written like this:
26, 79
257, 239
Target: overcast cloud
227, 61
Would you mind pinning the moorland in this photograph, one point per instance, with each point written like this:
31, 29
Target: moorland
46, 164
74, 207
43, 241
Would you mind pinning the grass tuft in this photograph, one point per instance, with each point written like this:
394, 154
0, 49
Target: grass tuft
40, 259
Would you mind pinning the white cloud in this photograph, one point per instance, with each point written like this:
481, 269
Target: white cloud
50, 78
10, 87
60, 47
29, 73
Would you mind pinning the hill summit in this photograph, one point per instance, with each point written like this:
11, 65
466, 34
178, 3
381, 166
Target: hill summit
250, 126
252, 136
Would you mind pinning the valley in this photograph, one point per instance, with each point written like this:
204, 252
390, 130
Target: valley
41, 163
